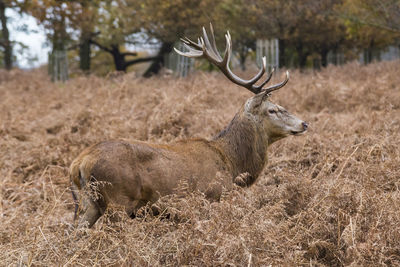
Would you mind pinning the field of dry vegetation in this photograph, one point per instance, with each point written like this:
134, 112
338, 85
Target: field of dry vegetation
328, 198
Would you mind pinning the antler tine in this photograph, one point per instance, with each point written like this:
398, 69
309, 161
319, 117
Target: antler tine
192, 52
206, 53
189, 42
260, 73
213, 43
259, 87
227, 53
209, 49
192, 47
276, 86
206, 47
224, 66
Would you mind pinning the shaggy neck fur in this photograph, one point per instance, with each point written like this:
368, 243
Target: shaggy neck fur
244, 144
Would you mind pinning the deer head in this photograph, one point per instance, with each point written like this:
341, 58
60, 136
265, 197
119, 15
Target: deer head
274, 119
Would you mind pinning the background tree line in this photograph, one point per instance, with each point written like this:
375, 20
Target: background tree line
103, 31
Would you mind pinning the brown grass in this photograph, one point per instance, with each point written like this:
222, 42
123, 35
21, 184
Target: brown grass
328, 198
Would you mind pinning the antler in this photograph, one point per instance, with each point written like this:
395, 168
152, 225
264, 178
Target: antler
207, 48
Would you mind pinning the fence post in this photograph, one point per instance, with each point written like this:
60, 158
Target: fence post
58, 65
180, 65
269, 49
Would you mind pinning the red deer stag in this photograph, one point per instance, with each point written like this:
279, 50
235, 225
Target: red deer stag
133, 174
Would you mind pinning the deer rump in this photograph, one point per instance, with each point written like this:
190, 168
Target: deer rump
133, 174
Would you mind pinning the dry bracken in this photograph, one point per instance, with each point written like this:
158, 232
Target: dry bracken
329, 198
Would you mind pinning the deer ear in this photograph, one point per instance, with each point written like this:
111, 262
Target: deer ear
256, 101
264, 95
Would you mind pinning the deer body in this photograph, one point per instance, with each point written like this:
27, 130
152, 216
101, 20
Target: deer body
134, 174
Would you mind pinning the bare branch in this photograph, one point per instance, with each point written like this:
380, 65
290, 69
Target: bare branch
129, 54
140, 60
101, 46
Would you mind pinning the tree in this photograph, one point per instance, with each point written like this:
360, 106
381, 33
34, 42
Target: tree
83, 20
371, 24
382, 14
166, 21
320, 28
113, 30
65, 20
110, 26
19, 6
302, 27
80, 24
5, 36
55, 15
276, 19
239, 17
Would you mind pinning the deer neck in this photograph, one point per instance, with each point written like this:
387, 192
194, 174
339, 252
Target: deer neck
244, 143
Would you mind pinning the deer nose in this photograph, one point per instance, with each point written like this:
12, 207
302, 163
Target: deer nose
305, 125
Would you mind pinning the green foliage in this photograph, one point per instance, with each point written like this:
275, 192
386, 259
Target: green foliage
168, 20
371, 23
113, 25
382, 14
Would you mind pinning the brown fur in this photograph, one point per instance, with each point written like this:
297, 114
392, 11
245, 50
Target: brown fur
133, 174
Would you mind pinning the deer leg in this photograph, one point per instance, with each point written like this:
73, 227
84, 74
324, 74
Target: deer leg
243, 179
92, 213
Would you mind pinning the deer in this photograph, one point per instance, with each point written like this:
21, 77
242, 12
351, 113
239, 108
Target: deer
135, 174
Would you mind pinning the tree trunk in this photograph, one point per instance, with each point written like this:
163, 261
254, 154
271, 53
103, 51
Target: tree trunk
324, 57
158, 63
84, 53
302, 55
243, 52
6, 37
119, 59
302, 60
84, 42
369, 52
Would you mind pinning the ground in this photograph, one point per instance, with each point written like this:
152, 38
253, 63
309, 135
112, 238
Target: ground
330, 197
